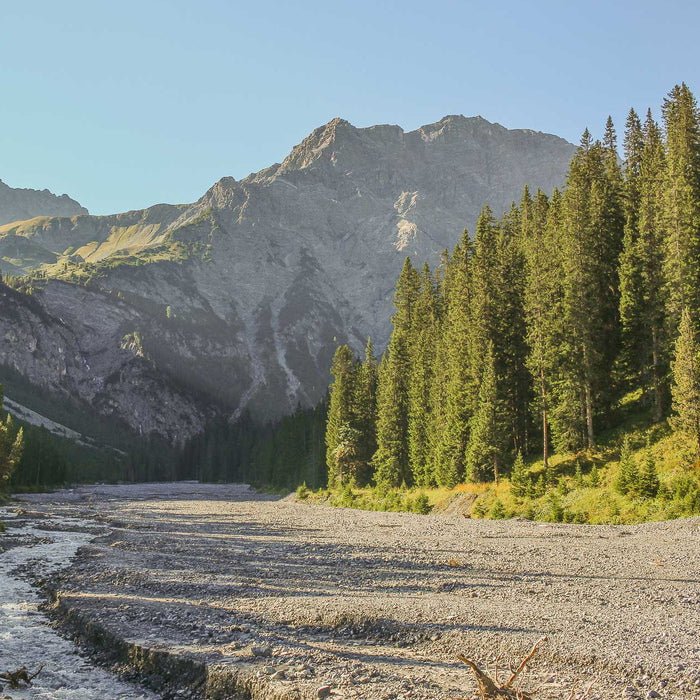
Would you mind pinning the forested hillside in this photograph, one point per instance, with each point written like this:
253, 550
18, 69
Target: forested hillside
548, 334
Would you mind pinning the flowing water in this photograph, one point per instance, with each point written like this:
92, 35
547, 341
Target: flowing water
26, 638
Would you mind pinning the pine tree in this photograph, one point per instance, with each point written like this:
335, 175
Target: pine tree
542, 300
340, 410
590, 240
627, 476
497, 320
519, 481
488, 429
453, 391
648, 481
682, 204
642, 293
686, 380
423, 337
11, 446
391, 460
347, 456
365, 413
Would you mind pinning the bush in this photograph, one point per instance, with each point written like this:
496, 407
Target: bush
498, 511
422, 504
303, 492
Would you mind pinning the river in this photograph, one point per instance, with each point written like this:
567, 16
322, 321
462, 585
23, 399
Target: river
26, 636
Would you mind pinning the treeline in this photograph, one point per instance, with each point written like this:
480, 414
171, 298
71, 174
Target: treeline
11, 447
527, 335
279, 455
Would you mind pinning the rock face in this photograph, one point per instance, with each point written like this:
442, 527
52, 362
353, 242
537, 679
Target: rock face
238, 300
22, 204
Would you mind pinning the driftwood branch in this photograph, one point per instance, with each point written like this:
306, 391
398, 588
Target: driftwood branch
20, 677
490, 688
524, 662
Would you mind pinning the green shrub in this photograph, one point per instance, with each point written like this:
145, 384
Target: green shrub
498, 511
422, 504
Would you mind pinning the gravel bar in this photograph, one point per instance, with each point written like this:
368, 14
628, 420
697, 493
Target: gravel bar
278, 599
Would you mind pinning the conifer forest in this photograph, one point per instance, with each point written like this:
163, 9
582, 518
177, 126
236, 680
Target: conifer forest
542, 332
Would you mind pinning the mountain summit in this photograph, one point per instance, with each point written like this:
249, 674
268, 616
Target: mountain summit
236, 302
19, 204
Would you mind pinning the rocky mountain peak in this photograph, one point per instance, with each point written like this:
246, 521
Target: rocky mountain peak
239, 300
19, 204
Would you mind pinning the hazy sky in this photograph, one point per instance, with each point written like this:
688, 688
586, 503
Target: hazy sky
124, 104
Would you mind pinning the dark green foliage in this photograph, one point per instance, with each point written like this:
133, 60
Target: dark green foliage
627, 481
422, 504
644, 356
453, 390
519, 479
365, 413
391, 460
488, 428
681, 204
648, 480
283, 455
553, 311
498, 511
686, 380
341, 411
11, 447
423, 340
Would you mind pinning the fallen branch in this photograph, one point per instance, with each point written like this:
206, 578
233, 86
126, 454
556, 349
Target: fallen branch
524, 662
491, 688
20, 677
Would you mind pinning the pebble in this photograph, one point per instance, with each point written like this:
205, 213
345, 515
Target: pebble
323, 692
262, 651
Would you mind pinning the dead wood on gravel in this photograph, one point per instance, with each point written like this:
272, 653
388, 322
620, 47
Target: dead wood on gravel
20, 677
491, 688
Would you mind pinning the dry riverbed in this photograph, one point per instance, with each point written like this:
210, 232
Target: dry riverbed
213, 589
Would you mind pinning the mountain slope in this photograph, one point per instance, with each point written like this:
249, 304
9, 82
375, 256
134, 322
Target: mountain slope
240, 298
22, 204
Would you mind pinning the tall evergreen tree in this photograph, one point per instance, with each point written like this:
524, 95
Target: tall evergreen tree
590, 240
453, 391
542, 300
340, 411
682, 204
642, 292
423, 337
365, 410
391, 460
489, 425
686, 380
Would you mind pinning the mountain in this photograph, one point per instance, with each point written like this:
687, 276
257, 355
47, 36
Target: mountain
22, 204
162, 317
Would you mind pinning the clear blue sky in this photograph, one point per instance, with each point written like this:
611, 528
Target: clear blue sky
124, 104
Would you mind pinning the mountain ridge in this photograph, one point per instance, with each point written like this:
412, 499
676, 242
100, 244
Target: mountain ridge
19, 204
240, 298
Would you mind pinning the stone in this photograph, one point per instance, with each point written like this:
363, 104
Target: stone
264, 651
323, 692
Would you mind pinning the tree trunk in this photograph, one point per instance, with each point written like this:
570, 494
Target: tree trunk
656, 371
545, 425
589, 416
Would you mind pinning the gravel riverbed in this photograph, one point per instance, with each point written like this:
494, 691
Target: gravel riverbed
304, 600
